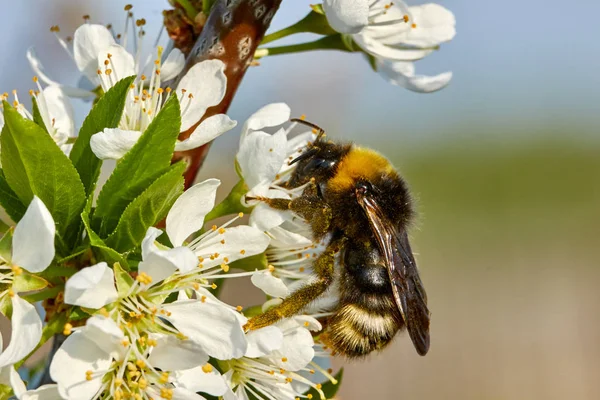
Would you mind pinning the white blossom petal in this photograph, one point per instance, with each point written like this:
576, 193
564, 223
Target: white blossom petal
297, 347
90, 40
158, 263
39, 70
261, 156
113, 143
273, 114
33, 239
379, 49
215, 328
264, 341
434, 25
26, 332
206, 83
107, 336
187, 214
74, 358
271, 285
60, 111
311, 323
402, 73
91, 287
120, 62
196, 380
209, 129
173, 354
235, 243
46, 392
10, 377
347, 16
172, 66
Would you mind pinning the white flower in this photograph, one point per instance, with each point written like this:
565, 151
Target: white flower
56, 111
32, 250
277, 356
395, 34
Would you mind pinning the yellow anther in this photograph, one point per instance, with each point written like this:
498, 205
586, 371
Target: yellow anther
128, 7
11, 293
213, 286
164, 377
309, 396
195, 285
168, 89
216, 255
108, 71
106, 62
271, 372
306, 323
125, 342
242, 251
181, 336
86, 17
239, 308
406, 18
140, 22
301, 269
131, 366
156, 62
284, 359
183, 91
141, 364
190, 96
281, 371
203, 299
414, 26
241, 214
207, 368
311, 371
288, 379
318, 386
271, 268
54, 28
17, 270
118, 395
143, 384
151, 342
213, 228
221, 230
223, 241
159, 90
88, 375
67, 329
303, 117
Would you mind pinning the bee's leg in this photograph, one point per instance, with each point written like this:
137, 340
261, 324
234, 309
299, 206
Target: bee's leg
291, 305
278, 204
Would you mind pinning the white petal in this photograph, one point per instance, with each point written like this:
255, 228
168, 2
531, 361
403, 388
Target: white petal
403, 74
160, 264
273, 114
208, 297
77, 355
173, 354
187, 214
196, 380
263, 341
60, 111
206, 82
379, 49
26, 332
312, 324
261, 156
272, 286
91, 287
46, 392
106, 335
88, 41
434, 25
215, 328
209, 129
297, 347
10, 377
121, 63
172, 66
113, 143
33, 239
347, 16
264, 217
231, 244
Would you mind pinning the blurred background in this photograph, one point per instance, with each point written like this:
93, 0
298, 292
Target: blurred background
504, 165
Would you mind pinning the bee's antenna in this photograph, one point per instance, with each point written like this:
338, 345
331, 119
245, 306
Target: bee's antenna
320, 131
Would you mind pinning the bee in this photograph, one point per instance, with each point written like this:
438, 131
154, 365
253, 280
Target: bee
355, 197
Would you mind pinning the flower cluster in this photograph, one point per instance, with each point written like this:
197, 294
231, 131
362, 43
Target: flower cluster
128, 272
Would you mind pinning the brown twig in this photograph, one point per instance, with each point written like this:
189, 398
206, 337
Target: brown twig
232, 33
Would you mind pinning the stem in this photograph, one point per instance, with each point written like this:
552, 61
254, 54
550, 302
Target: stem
290, 30
188, 7
313, 23
332, 42
247, 22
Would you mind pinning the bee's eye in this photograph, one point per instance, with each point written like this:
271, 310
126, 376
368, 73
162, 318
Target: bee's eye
318, 165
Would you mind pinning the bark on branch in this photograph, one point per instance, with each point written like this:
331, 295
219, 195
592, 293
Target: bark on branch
232, 33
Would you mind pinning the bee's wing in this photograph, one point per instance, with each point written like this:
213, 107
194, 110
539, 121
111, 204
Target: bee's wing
407, 287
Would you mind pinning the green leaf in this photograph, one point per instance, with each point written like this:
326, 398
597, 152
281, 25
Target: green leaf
123, 279
5, 306
106, 113
149, 158
147, 209
49, 293
26, 282
77, 313
6, 246
9, 200
34, 165
231, 204
329, 388
102, 251
37, 116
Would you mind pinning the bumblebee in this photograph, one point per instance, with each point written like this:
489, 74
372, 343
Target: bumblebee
355, 197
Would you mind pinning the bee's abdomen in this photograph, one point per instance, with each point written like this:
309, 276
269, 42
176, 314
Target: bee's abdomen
355, 330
